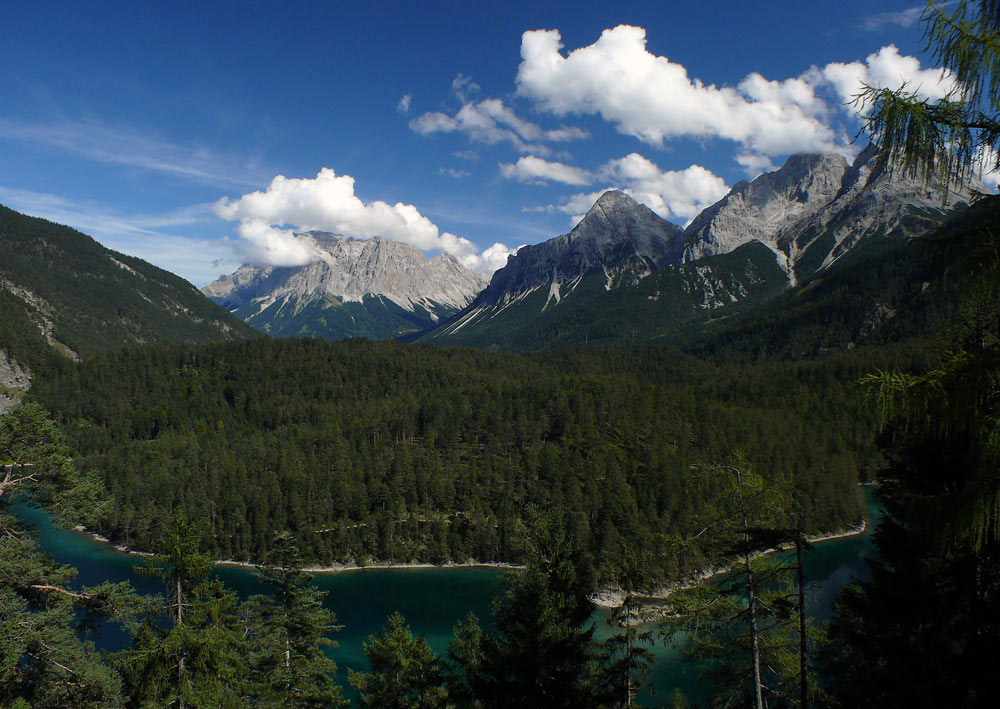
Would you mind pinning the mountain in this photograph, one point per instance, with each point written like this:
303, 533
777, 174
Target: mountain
624, 275
616, 278
619, 236
374, 288
63, 295
815, 209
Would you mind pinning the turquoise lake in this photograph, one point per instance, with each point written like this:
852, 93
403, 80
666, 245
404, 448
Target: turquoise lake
432, 599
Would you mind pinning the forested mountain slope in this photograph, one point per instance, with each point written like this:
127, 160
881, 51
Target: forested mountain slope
63, 294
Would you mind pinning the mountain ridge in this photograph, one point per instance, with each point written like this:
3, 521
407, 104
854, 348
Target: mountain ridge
64, 296
355, 287
806, 215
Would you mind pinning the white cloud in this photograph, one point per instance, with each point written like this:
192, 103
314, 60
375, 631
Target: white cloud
470, 155
328, 203
452, 172
887, 68
576, 206
131, 148
754, 164
490, 121
654, 99
669, 193
530, 168
495, 257
463, 86
404, 104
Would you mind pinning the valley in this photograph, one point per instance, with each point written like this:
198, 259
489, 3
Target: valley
473, 357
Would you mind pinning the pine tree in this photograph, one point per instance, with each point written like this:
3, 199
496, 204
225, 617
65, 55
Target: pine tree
405, 673
288, 631
196, 660
46, 657
543, 652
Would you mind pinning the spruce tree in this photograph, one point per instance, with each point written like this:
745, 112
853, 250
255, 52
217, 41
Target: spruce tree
288, 631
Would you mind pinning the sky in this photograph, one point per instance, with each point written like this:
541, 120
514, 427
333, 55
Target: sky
200, 136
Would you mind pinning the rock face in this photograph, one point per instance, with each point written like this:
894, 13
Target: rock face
618, 236
814, 209
364, 276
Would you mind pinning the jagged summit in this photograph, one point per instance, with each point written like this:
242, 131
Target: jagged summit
618, 236
623, 268
813, 209
375, 273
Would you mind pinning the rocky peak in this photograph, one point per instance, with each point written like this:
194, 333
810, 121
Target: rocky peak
616, 235
763, 208
349, 269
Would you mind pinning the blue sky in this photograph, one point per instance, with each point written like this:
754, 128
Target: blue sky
465, 127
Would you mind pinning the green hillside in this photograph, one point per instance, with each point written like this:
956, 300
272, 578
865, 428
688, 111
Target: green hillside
62, 294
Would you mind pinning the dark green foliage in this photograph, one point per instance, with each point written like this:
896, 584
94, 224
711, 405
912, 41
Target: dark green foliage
91, 299
923, 631
193, 660
628, 659
46, 658
883, 291
43, 660
738, 629
288, 631
405, 673
388, 451
543, 652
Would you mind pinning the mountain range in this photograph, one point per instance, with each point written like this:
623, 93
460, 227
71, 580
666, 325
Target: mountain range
375, 288
624, 274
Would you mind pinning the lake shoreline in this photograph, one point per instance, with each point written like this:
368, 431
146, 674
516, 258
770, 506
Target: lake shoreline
614, 597
606, 597
333, 569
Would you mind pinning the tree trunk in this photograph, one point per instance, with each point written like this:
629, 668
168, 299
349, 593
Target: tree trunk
180, 657
754, 647
803, 683
751, 607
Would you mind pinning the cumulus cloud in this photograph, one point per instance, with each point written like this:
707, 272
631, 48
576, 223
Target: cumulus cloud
404, 103
533, 169
490, 121
889, 69
669, 193
470, 155
269, 220
654, 99
495, 257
